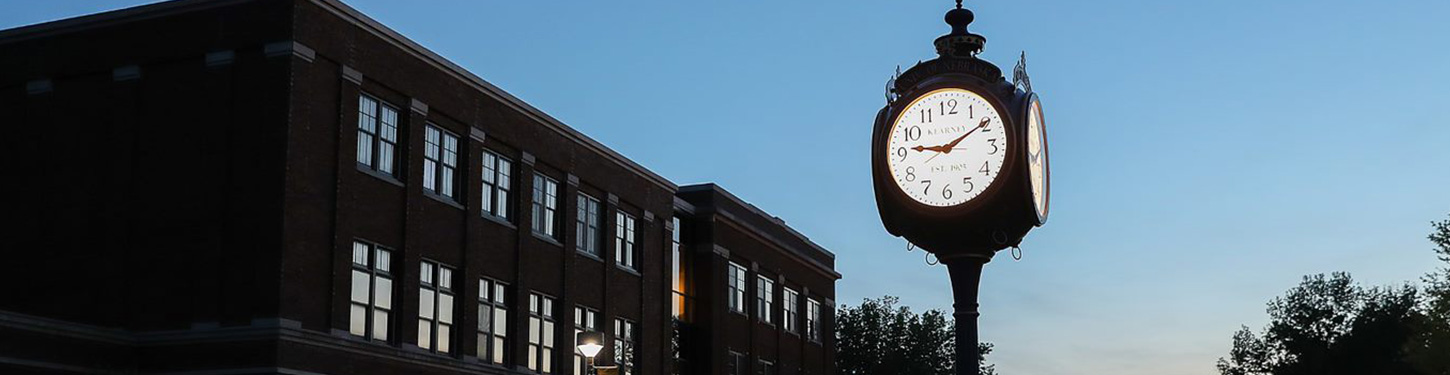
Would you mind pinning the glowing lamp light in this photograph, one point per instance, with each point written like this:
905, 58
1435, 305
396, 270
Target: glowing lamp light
590, 343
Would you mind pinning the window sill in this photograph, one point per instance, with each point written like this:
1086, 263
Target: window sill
443, 199
546, 239
628, 270
499, 220
379, 175
428, 352
361, 339
588, 255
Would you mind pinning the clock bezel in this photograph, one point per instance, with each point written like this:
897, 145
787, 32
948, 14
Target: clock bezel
1034, 101
989, 194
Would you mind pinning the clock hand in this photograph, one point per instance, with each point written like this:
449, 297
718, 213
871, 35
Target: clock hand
920, 148
953, 144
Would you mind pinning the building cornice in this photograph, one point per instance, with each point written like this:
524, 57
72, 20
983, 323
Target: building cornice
372, 26
104, 19
752, 209
781, 246
360, 20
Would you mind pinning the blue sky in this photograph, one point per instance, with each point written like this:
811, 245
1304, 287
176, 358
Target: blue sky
1205, 154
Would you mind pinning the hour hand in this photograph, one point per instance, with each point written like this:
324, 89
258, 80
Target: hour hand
920, 148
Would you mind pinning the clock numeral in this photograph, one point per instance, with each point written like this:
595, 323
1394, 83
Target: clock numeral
928, 186
925, 116
946, 191
971, 111
910, 174
968, 181
912, 133
901, 152
984, 169
993, 142
943, 106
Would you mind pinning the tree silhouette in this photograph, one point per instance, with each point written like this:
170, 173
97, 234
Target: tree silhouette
878, 337
1330, 325
1430, 349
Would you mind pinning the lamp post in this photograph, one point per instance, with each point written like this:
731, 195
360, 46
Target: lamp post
590, 343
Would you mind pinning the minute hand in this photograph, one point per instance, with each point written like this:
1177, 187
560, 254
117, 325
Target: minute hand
954, 143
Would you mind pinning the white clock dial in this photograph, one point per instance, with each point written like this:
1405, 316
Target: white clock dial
946, 147
1037, 158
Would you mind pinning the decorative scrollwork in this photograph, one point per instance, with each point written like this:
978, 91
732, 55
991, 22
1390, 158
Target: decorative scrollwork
1019, 74
891, 94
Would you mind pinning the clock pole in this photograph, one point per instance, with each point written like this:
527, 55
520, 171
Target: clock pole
964, 236
966, 275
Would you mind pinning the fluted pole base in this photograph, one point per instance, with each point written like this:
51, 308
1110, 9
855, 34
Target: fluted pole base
966, 275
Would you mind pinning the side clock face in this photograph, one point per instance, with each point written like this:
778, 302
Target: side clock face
946, 147
1037, 158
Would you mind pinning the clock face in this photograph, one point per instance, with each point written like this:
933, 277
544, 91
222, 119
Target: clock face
1037, 158
946, 147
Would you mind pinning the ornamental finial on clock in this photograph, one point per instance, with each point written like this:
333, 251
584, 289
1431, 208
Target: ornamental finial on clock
960, 43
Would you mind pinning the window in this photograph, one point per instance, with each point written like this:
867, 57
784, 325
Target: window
377, 135
546, 203
813, 320
541, 333
767, 367
624, 240
435, 307
790, 302
440, 160
682, 303
736, 285
679, 267
372, 291
585, 320
492, 321
496, 183
624, 346
588, 225
764, 299
738, 365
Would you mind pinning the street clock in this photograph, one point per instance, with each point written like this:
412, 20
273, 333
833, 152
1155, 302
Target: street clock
959, 165
959, 153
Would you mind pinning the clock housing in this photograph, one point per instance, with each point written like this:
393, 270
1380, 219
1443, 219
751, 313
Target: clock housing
1001, 214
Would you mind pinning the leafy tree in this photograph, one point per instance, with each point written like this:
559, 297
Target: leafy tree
1430, 349
1329, 325
1332, 326
878, 337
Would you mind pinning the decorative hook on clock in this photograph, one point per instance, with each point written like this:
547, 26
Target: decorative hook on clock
1019, 74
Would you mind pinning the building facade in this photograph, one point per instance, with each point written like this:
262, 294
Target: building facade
289, 187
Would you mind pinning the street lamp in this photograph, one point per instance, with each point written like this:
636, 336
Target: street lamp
590, 343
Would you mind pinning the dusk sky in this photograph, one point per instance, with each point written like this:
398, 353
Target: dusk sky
1205, 154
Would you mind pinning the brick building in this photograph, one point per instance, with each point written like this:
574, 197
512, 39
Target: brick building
289, 187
